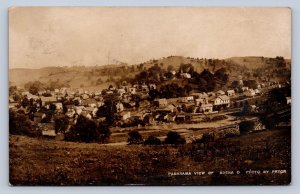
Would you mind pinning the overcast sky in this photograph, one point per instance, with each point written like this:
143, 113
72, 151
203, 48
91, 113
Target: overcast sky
65, 36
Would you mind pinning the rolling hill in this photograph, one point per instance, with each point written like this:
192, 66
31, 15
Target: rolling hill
252, 62
88, 77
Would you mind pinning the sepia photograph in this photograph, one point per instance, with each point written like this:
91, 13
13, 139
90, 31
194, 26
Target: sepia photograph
154, 96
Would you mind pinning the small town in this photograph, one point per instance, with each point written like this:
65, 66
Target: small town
234, 115
156, 96
149, 107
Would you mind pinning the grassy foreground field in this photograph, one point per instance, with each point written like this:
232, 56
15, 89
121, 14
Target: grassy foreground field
48, 162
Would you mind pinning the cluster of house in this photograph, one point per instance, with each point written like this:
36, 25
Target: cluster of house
87, 103
202, 102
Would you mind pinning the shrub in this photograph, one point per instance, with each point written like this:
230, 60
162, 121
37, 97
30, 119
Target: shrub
246, 126
87, 131
71, 135
134, 138
198, 140
61, 124
48, 118
152, 141
174, 138
19, 124
208, 137
103, 132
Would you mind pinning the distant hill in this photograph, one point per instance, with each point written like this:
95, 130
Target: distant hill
251, 62
81, 76
88, 77
20, 76
175, 61
76, 77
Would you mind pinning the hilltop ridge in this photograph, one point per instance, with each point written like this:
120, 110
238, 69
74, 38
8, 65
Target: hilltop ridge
98, 77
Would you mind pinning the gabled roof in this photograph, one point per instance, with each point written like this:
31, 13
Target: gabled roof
85, 113
123, 113
197, 94
171, 106
48, 99
89, 109
205, 94
85, 96
161, 100
49, 133
89, 101
121, 89
223, 97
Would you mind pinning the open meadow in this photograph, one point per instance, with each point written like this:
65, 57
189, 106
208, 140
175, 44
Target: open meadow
49, 162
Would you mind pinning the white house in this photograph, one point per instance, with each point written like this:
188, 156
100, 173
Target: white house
245, 88
91, 102
58, 105
197, 95
120, 107
170, 108
206, 108
78, 109
241, 82
86, 114
186, 99
85, 96
13, 105
25, 93
109, 92
63, 90
173, 72
161, 102
125, 115
31, 96
221, 100
200, 101
132, 90
80, 91
50, 99
145, 88
91, 110
121, 91
112, 88
230, 93
185, 75
48, 132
